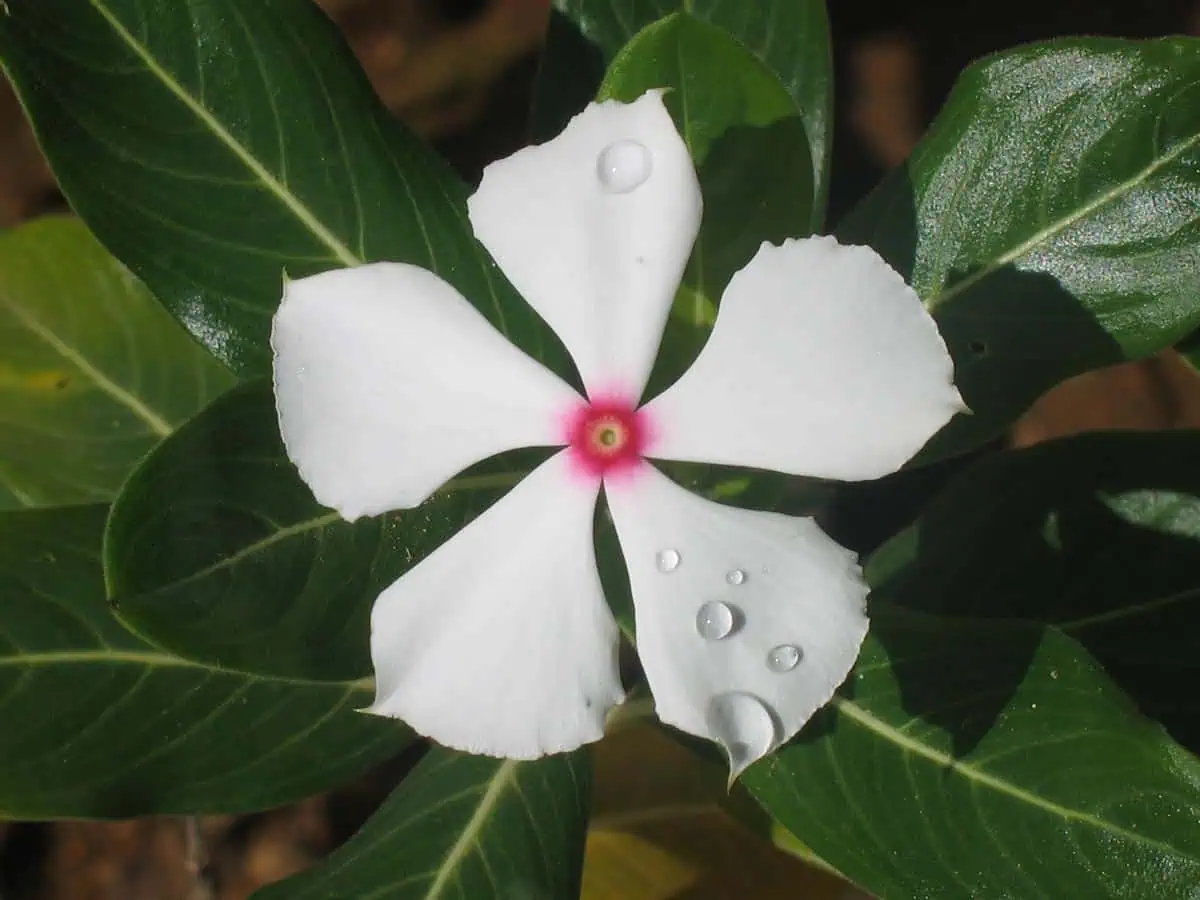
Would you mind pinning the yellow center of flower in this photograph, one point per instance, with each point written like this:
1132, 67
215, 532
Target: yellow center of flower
608, 435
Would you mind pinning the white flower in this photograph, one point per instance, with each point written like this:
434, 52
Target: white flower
822, 362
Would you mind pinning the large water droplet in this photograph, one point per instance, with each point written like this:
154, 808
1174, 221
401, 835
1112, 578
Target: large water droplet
744, 727
783, 658
667, 560
623, 166
714, 620
735, 576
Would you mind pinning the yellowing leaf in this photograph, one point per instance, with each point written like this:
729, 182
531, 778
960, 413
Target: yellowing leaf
93, 372
628, 867
662, 829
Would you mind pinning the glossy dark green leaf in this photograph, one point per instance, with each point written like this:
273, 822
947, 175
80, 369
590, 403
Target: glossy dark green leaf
217, 550
98, 723
988, 760
1048, 218
1027, 771
1098, 535
750, 152
789, 37
742, 131
212, 144
1189, 349
462, 827
93, 373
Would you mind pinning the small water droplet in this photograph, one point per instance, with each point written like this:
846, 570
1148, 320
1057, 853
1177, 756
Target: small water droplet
623, 166
714, 620
783, 658
667, 560
735, 576
1033, 706
766, 570
1054, 674
744, 727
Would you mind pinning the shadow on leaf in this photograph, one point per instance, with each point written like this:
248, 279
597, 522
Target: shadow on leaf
1013, 333
1097, 535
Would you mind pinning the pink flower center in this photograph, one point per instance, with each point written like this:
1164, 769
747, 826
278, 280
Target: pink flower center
606, 437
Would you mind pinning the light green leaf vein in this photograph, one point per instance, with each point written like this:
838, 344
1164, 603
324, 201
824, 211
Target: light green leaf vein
1054, 229
151, 659
280, 190
152, 419
467, 840
978, 776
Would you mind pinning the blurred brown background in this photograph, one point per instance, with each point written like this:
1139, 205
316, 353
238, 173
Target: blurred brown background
460, 72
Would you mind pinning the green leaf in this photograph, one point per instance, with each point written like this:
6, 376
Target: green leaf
216, 549
750, 151
1046, 221
467, 827
789, 37
1189, 349
988, 760
97, 723
1098, 535
713, 83
1027, 772
212, 144
92, 372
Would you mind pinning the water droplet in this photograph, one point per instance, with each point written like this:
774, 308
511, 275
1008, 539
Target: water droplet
1054, 674
783, 658
714, 620
744, 727
623, 166
735, 576
766, 570
667, 560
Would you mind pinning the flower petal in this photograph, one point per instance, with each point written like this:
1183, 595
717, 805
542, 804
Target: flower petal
822, 362
746, 621
388, 382
594, 228
500, 642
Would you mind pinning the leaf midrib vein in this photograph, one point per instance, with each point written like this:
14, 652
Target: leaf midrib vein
293, 203
1124, 612
151, 659
9, 481
503, 777
156, 423
971, 773
464, 483
1056, 228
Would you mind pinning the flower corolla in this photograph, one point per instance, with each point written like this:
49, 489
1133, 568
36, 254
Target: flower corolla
822, 362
